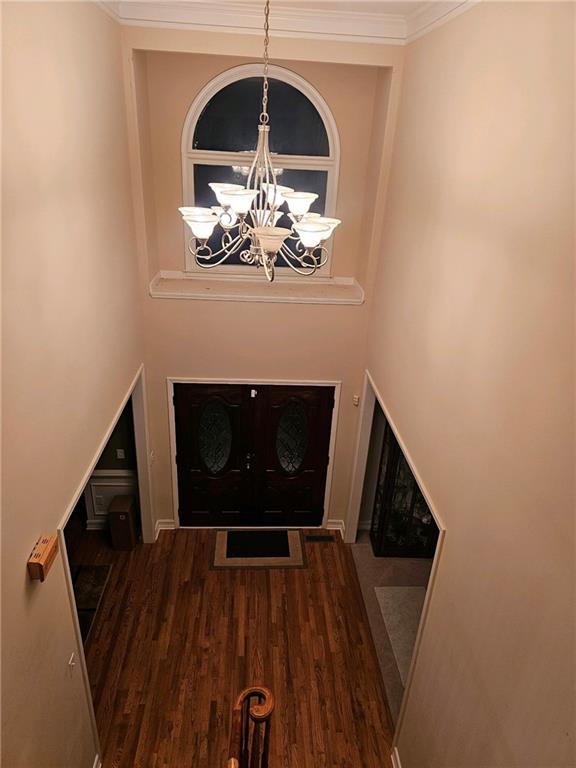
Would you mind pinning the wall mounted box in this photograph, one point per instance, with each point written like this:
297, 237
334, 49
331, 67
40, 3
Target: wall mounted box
42, 556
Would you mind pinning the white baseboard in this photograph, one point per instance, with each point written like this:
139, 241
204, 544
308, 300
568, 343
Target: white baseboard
97, 762
163, 525
395, 755
336, 525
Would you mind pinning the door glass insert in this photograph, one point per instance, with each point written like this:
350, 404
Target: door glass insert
214, 436
292, 437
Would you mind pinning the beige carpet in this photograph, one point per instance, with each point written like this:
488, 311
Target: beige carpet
401, 609
386, 572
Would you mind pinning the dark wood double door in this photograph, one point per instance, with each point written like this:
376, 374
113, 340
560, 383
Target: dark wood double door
252, 454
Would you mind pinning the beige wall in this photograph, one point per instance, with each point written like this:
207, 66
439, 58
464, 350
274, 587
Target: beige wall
71, 341
256, 342
472, 350
471, 347
144, 192
175, 79
237, 340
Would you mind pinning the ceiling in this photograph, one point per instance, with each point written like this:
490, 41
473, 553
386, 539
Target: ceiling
377, 21
357, 6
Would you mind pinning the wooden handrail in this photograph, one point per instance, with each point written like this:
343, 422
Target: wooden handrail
250, 728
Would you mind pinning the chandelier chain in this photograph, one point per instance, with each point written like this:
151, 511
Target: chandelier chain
264, 114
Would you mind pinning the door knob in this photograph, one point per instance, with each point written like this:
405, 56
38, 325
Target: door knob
249, 457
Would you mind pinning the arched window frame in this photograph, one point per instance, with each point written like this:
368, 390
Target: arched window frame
192, 157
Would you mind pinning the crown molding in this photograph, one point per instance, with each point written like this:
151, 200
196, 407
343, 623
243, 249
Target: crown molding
433, 15
110, 8
326, 23
246, 17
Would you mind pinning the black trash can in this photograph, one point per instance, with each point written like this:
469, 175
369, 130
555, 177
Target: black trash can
122, 522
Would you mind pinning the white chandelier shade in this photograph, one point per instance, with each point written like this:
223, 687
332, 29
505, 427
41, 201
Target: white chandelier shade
247, 216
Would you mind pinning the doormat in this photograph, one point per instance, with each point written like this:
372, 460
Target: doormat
89, 585
258, 549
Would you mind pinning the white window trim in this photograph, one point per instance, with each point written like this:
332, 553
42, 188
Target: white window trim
191, 157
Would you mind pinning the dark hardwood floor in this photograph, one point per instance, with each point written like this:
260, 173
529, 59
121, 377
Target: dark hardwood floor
174, 642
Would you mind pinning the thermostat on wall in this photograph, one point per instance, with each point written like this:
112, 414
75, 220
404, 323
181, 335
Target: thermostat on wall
43, 555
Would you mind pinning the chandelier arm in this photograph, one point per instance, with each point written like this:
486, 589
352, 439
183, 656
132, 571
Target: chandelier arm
244, 232
299, 247
270, 165
227, 213
263, 178
323, 258
298, 243
253, 166
270, 172
287, 255
296, 269
232, 247
254, 179
229, 251
311, 254
209, 266
226, 240
247, 257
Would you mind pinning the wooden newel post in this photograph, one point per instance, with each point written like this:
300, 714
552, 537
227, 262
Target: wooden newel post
250, 729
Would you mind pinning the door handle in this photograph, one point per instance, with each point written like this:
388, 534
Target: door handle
249, 457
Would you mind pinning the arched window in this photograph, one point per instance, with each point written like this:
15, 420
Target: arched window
220, 132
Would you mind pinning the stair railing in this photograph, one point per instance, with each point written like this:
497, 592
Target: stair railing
250, 728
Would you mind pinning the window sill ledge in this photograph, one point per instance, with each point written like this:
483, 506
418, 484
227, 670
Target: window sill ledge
182, 285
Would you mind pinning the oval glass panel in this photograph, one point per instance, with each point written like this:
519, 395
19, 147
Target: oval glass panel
214, 436
292, 437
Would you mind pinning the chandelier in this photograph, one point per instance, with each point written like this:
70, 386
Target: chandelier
247, 215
